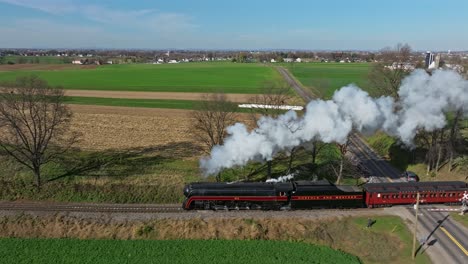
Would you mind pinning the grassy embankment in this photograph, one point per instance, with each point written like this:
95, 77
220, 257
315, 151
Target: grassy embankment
463, 219
325, 78
137, 175
172, 251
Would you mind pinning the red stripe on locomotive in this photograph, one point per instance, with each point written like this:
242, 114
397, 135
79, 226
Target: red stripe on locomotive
235, 198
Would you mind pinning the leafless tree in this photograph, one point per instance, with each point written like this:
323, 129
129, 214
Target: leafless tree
343, 149
387, 80
455, 140
314, 147
348, 169
213, 115
443, 146
33, 123
273, 94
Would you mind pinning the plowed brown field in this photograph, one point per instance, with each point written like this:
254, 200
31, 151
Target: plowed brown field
241, 98
105, 127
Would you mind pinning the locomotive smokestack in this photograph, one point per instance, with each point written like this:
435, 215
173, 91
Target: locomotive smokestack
423, 102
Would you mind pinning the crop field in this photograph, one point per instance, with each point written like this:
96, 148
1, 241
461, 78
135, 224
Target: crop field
325, 78
171, 251
38, 59
147, 103
184, 77
387, 241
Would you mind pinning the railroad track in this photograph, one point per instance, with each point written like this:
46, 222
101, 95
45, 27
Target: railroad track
97, 208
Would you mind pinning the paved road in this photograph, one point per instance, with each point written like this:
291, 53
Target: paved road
447, 240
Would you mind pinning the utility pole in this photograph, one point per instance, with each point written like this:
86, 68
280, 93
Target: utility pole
416, 209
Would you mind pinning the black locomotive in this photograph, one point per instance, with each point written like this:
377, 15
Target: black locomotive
290, 195
318, 194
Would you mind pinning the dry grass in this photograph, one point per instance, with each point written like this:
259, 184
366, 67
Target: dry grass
242, 98
104, 127
343, 234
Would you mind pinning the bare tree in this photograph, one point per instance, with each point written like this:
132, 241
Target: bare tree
213, 115
343, 149
33, 123
272, 96
386, 76
314, 147
455, 138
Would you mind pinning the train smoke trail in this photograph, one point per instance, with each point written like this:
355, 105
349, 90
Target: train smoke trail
424, 99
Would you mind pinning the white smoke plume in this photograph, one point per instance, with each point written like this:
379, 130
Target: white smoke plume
424, 100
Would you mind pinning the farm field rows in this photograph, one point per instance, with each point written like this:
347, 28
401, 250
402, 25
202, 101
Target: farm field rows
265, 234
147, 103
325, 78
184, 77
242, 98
105, 127
171, 251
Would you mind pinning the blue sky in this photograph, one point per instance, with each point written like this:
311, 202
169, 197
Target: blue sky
234, 24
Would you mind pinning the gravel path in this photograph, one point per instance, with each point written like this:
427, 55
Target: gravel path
125, 217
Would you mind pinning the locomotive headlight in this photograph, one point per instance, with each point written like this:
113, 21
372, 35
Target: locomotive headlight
186, 190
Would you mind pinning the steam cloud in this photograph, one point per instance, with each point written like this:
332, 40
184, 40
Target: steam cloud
423, 101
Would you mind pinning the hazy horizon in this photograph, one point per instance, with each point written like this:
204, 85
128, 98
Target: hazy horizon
242, 25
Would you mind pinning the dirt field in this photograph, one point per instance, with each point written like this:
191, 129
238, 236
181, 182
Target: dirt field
242, 98
105, 127
43, 67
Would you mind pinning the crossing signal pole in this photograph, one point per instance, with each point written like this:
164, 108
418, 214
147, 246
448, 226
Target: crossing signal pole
416, 209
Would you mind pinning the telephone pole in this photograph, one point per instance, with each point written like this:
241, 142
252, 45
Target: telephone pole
416, 209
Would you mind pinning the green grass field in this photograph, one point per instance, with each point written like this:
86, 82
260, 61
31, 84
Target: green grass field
184, 77
39, 59
394, 226
463, 219
148, 103
172, 251
325, 78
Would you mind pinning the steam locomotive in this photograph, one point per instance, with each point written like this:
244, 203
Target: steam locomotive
317, 194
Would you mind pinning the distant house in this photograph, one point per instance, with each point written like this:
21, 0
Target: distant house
298, 60
272, 61
109, 62
173, 61
404, 66
78, 62
288, 59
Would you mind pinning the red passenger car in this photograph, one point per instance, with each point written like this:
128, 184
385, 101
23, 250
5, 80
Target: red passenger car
388, 194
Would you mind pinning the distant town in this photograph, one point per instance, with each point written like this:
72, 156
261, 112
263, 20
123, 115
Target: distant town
457, 61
